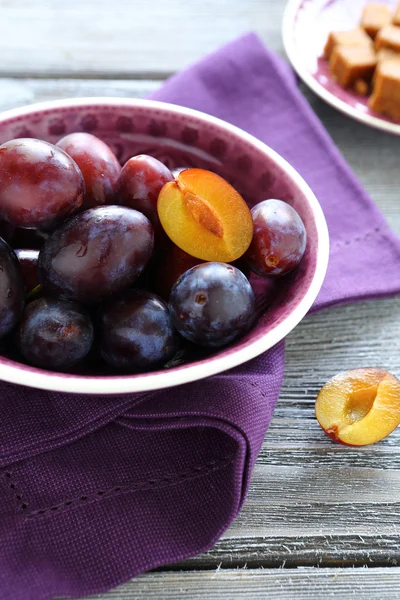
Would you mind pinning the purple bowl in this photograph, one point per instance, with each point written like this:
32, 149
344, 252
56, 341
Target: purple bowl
181, 137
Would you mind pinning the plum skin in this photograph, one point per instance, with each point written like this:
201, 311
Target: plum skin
98, 164
136, 331
279, 239
12, 289
139, 184
54, 333
40, 185
96, 254
212, 304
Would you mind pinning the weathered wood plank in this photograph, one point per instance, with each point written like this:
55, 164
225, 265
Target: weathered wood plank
275, 584
331, 486
18, 92
335, 550
308, 518
103, 37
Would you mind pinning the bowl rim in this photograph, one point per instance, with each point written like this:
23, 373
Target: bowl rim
152, 381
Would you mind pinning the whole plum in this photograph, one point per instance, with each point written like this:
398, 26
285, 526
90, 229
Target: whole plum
96, 254
98, 164
212, 304
55, 334
40, 185
139, 184
279, 239
136, 331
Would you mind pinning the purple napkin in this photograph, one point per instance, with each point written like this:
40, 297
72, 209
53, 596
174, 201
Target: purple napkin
97, 490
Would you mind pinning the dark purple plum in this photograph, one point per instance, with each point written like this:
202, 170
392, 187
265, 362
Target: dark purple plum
139, 184
98, 164
212, 304
96, 254
40, 185
54, 334
279, 239
12, 289
136, 331
28, 260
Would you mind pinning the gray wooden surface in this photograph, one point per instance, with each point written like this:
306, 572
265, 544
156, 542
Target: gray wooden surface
317, 514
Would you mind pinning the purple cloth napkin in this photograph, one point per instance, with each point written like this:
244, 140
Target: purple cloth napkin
97, 490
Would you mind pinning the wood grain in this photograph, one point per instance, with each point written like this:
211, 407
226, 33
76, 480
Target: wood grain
259, 584
124, 38
18, 92
311, 503
320, 551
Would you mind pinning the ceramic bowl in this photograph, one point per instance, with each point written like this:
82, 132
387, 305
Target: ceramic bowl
181, 137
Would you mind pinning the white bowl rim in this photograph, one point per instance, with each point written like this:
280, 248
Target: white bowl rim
147, 382
289, 18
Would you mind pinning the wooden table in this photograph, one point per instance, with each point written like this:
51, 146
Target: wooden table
321, 520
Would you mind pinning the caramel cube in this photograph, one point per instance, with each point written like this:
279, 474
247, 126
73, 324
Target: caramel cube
347, 64
374, 17
386, 95
354, 37
387, 54
396, 16
388, 37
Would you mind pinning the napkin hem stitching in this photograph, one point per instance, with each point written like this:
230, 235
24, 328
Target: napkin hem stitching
18, 497
341, 244
153, 483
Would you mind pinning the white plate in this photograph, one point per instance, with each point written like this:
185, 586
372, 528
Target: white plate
306, 26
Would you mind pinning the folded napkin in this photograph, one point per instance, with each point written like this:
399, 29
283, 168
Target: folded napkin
96, 490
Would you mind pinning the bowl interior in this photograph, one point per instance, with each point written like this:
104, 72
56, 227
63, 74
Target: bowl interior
181, 138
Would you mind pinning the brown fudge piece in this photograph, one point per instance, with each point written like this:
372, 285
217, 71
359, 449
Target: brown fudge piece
374, 17
396, 16
387, 54
386, 95
388, 37
348, 64
354, 37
